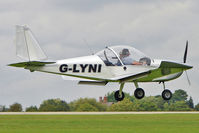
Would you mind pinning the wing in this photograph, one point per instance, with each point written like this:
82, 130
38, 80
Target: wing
132, 77
100, 83
103, 82
83, 81
64, 77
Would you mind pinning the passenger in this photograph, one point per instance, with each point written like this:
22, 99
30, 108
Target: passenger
126, 59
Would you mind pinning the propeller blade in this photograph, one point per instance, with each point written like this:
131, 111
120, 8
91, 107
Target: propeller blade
188, 78
185, 53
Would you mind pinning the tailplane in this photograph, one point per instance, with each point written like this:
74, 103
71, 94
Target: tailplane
27, 47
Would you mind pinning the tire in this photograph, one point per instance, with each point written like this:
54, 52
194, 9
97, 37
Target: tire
166, 94
118, 97
139, 93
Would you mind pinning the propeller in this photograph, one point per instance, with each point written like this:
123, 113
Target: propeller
189, 82
185, 59
185, 53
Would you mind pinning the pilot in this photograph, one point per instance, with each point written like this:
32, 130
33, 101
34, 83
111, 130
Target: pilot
126, 59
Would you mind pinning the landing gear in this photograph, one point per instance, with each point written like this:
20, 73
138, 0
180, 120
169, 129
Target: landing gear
119, 95
166, 94
139, 92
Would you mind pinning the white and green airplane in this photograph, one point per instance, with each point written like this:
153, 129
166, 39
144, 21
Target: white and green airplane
113, 64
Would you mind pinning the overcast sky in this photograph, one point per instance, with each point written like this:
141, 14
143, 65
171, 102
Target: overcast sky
157, 28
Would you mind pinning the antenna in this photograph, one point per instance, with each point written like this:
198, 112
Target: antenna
89, 47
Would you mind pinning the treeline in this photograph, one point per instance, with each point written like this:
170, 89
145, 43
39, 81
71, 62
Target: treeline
53, 105
179, 102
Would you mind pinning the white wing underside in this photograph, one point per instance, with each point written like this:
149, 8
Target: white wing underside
125, 78
75, 78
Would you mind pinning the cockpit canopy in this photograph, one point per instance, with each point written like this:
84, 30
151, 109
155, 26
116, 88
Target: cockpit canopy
123, 55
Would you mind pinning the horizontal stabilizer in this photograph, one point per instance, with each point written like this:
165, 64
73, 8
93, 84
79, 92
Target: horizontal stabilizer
31, 63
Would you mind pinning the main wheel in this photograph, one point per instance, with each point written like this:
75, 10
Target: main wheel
139, 93
119, 97
166, 94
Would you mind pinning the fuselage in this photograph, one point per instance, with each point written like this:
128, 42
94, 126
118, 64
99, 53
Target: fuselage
93, 68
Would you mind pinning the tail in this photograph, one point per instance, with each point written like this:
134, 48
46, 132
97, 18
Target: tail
27, 47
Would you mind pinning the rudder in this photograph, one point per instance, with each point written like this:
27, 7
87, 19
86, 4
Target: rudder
27, 46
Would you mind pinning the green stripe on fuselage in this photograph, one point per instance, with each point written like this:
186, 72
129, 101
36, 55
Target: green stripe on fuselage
157, 73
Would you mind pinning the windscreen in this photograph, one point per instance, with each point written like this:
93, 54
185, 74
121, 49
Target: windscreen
128, 55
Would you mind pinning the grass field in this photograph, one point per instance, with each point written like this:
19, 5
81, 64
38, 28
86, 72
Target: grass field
128, 123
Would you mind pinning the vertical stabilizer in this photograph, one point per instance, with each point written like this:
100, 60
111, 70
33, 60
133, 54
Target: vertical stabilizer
27, 46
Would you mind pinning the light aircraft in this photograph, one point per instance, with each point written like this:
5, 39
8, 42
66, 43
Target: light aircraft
113, 64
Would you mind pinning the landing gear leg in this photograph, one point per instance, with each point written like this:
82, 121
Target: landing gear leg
166, 94
139, 92
119, 94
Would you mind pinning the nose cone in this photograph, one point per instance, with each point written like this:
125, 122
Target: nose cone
169, 64
188, 67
